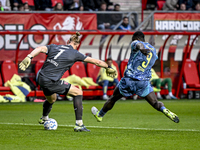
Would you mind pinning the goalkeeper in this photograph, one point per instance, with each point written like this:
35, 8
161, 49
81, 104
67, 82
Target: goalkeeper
60, 58
157, 82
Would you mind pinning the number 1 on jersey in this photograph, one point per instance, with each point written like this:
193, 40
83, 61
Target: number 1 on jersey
61, 51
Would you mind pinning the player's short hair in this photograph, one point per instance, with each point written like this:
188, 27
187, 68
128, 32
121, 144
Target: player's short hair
138, 35
75, 38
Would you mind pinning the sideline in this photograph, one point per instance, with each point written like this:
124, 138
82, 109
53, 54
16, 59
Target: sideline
101, 127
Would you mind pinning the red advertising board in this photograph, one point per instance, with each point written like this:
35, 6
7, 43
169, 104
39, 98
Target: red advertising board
39, 21
177, 21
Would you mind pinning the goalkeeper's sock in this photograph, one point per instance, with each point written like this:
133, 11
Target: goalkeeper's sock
78, 107
46, 108
101, 113
79, 122
45, 117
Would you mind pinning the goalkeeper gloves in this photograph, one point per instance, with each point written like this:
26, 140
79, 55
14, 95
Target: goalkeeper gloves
110, 72
26, 62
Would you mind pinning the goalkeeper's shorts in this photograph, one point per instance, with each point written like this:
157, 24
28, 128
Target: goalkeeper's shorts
50, 87
128, 86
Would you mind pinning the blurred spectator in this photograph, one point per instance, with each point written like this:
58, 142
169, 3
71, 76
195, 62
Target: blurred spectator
116, 7
26, 7
103, 6
73, 5
15, 4
103, 19
182, 7
58, 7
170, 5
89, 5
98, 3
125, 24
158, 82
197, 7
116, 17
20, 7
188, 3
43, 5
1, 7
104, 80
151, 4
5, 4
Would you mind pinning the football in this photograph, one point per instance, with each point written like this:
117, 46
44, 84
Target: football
50, 124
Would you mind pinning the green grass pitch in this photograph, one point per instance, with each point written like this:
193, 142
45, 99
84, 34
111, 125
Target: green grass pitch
131, 125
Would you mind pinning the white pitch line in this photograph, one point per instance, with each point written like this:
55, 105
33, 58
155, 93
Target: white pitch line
101, 127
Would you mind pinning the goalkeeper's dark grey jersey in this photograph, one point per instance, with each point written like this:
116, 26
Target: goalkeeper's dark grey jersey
59, 59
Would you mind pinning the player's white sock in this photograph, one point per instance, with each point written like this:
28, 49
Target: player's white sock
170, 94
45, 117
79, 122
158, 94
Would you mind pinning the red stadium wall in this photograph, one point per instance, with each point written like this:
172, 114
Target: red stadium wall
42, 22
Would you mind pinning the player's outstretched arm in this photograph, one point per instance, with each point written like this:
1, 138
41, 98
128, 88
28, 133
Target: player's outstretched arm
97, 62
27, 61
109, 70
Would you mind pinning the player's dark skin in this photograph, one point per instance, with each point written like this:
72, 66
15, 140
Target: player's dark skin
150, 98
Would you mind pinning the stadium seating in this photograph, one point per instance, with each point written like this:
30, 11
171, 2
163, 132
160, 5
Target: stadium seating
191, 76
8, 69
160, 4
78, 69
92, 71
3, 88
66, 74
199, 68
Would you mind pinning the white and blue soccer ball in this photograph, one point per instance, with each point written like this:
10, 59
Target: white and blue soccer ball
50, 124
